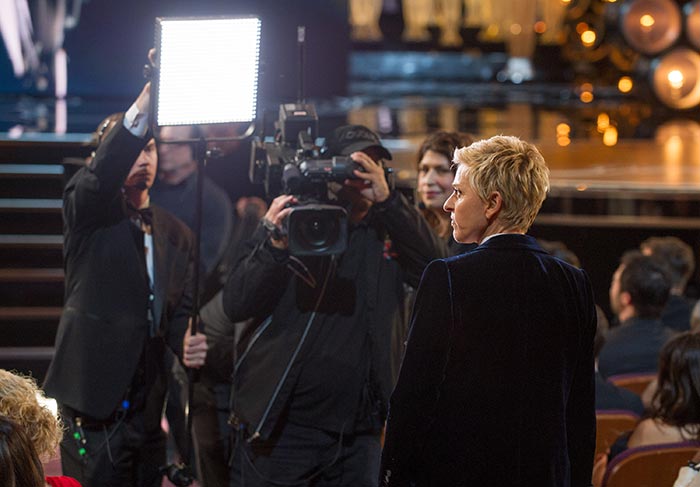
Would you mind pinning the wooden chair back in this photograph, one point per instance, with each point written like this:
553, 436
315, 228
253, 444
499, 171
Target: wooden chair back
636, 383
649, 466
610, 425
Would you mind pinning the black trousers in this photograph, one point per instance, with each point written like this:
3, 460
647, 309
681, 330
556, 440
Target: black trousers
308, 457
127, 450
211, 432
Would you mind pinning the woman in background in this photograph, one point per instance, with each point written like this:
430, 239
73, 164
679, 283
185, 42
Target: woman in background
19, 462
435, 176
674, 415
675, 407
19, 405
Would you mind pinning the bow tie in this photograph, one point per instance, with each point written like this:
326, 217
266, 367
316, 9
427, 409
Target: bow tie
143, 215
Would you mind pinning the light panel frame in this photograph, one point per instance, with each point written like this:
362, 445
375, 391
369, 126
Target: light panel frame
207, 70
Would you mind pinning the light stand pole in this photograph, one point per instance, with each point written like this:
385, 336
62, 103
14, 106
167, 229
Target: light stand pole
206, 73
182, 474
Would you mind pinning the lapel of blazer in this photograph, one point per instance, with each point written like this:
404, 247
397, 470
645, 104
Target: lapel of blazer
160, 266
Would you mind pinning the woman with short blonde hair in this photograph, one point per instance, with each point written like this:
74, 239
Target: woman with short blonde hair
513, 168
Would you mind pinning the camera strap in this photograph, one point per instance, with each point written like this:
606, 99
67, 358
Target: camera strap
292, 359
300, 270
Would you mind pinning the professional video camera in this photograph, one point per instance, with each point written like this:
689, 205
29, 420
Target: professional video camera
292, 163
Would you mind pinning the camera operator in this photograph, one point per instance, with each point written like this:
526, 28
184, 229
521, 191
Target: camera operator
312, 387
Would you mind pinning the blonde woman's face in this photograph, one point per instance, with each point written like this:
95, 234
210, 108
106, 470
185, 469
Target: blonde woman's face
467, 210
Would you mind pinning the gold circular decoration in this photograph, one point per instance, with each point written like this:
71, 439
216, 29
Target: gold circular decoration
692, 23
676, 78
650, 26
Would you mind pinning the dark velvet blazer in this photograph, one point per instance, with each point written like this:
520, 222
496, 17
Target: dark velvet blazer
104, 324
496, 387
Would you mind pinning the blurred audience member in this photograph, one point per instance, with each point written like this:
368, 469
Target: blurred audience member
175, 190
435, 176
675, 408
607, 395
638, 293
20, 409
560, 251
679, 261
19, 461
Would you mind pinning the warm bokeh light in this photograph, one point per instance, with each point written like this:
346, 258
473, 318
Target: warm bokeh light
563, 140
588, 38
603, 122
673, 151
610, 136
651, 26
563, 129
675, 79
625, 84
540, 27
691, 13
492, 30
586, 87
581, 27
646, 21
516, 29
586, 97
566, 2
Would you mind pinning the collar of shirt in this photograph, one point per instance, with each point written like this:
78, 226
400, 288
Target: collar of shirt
496, 235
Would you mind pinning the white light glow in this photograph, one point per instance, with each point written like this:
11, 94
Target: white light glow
208, 70
48, 403
675, 79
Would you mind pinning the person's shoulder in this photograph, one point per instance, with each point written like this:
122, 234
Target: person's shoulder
166, 218
652, 430
464, 258
644, 428
619, 332
214, 192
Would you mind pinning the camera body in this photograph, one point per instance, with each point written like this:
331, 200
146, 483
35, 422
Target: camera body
292, 163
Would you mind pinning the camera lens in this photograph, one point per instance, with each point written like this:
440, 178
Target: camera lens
318, 230
315, 229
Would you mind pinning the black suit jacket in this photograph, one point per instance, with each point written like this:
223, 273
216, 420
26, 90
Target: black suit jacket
610, 397
497, 383
633, 347
677, 312
104, 325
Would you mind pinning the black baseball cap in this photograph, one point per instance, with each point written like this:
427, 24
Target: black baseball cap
352, 138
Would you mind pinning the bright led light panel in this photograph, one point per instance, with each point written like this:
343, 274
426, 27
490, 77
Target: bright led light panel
208, 70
